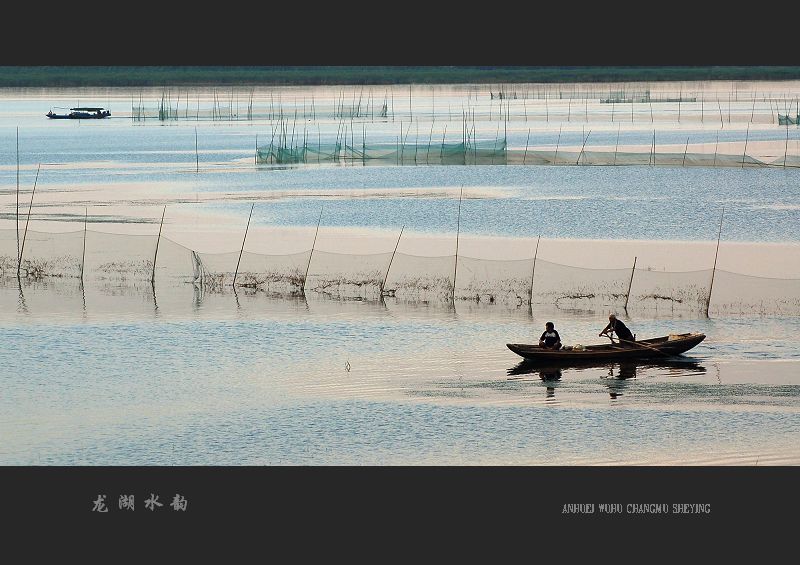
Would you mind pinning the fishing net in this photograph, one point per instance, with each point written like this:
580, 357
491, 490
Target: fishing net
492, 280
743, 294
400, 153
563, 285
118, 265
422, 278
346, 274
661, 289
51, 255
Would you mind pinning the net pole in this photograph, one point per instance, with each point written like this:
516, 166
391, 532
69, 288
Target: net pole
558, 142
630, 285
716, 147
616, 147
714, 269
28, 221
786, 147
458, 232
745, 144
583, 146
383, 284
685, 149
17, 213
83, 255
525, 156
158, 240
197, 154
236, 272
313, 244
533, 270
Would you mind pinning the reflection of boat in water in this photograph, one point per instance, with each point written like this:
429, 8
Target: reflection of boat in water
657, 347
618, 372
624, 369
80, 113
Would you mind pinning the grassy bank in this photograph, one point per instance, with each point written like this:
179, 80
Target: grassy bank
50, 76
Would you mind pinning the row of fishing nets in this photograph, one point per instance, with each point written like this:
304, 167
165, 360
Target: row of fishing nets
116, 260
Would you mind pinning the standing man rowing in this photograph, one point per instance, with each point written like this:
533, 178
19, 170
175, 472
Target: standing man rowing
618, 327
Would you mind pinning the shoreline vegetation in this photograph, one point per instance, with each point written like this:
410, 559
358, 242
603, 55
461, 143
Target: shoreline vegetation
140, 76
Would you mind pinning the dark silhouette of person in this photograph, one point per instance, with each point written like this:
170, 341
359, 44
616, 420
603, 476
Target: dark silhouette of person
550, 338
618, 327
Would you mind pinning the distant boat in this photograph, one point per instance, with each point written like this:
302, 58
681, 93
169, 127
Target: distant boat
80, 114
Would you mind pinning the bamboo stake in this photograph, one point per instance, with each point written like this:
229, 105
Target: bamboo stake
583, 146
685, 149
236, 272
383, 284
630, 284
714, 269
654, 147
533, 270
83, 256
312, 250
155, 256
786, 147
197, 154
617, 145
525, 156
25, 234
745, 144
17, 214
458, 231
558, 142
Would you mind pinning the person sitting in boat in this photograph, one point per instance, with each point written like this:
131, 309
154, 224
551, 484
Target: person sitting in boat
618, 327
550, 338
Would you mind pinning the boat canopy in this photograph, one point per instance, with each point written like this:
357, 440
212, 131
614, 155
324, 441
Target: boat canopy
88, 109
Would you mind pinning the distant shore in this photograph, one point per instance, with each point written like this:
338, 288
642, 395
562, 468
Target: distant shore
141, 76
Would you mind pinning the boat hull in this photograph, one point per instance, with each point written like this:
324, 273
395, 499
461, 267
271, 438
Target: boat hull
660, 347
71, 117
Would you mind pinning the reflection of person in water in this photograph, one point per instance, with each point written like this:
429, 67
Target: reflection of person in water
549, 376
624, 371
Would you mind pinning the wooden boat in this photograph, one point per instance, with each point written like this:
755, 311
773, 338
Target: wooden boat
81, 113
657, 347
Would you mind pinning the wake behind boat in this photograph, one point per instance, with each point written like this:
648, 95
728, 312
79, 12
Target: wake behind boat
80, 113
657, 347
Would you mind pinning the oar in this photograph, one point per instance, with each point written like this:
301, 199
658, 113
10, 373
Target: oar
639, 344
645, 345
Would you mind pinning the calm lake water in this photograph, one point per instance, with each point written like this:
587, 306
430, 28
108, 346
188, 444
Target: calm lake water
117, 376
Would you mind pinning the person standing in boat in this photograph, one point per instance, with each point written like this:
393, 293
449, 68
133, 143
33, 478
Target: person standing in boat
550, 338
618, 327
